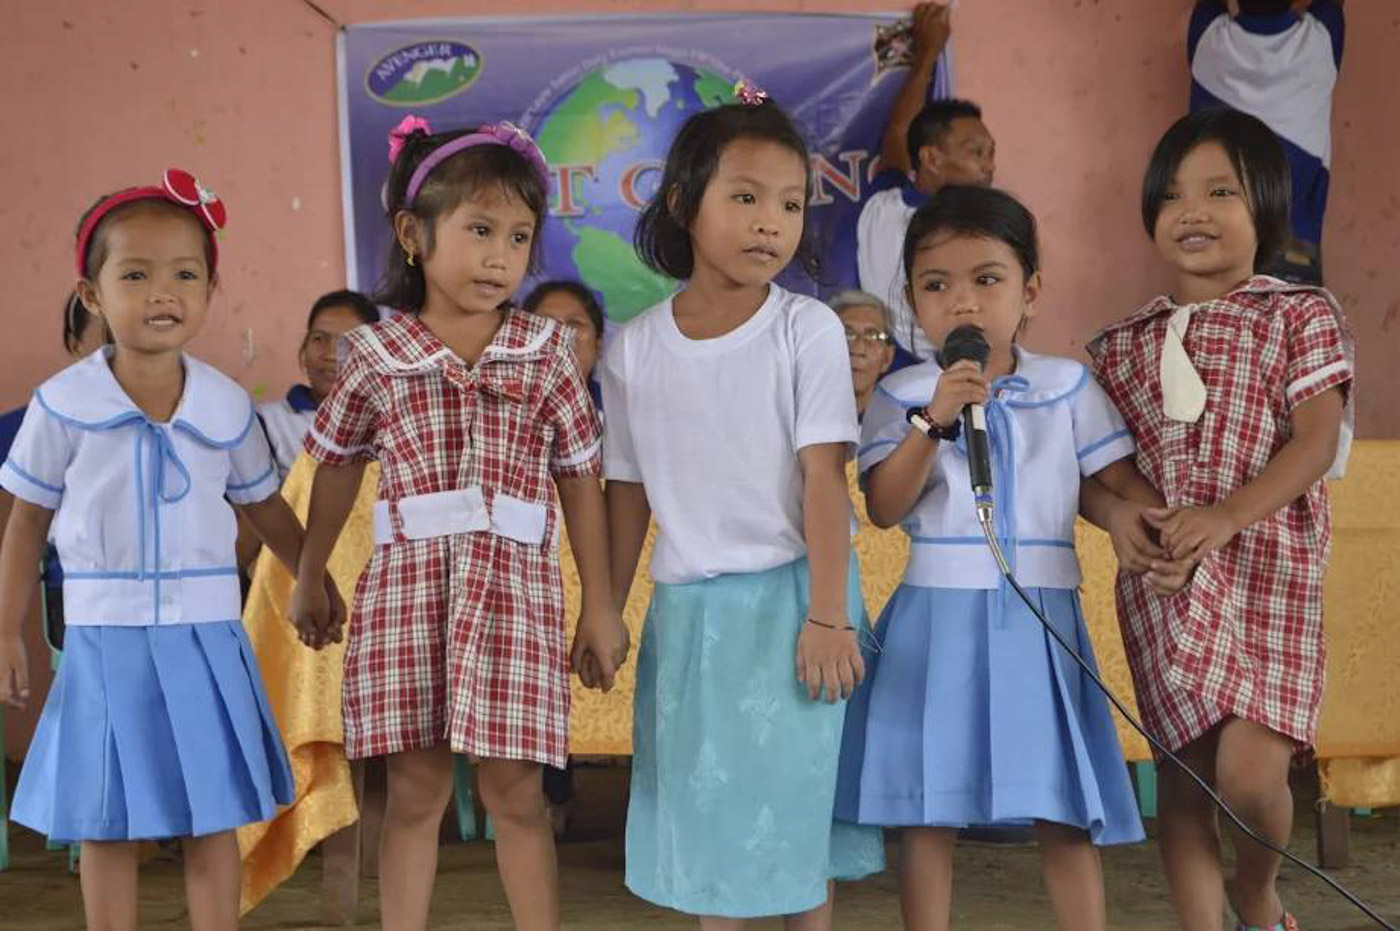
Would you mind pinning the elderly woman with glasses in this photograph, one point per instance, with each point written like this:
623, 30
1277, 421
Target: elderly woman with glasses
869, 338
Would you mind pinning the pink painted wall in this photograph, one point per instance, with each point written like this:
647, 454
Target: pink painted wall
101, 95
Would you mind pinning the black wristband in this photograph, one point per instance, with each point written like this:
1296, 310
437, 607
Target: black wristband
919, 418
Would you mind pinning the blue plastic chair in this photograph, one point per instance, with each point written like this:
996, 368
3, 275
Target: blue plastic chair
465, 799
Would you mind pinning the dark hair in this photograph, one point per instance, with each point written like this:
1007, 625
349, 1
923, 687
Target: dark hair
662, 235
1257, 157
361, 306
986, 212
97, 245
587, 298
76, 320
933, 123
459, 177
1265, 7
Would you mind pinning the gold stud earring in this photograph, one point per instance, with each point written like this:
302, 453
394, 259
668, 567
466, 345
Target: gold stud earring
411, 261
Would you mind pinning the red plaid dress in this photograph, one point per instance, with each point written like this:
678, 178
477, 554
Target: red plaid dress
461, 637
1244, 639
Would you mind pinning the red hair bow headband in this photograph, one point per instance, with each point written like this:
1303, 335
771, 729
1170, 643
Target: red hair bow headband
178, 187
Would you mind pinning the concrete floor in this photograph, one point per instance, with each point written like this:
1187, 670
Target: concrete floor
995, 888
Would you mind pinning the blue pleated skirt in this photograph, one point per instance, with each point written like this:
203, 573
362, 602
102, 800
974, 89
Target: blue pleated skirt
734, 767
971, 714
153, 732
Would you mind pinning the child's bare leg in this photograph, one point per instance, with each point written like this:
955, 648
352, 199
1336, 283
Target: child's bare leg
1189, 838
213, 881
512, 792
1073, 876
340, 859
816, 919
108, 873
372, 806
926, 877
1251, 764
420, 784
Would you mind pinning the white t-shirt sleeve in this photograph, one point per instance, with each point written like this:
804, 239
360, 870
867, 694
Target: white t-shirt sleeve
619, 455
879, 246
883, 428
1101, 437
826, 403
252, 474
39, 458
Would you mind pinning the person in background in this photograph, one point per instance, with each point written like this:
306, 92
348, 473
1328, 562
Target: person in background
579, 309
287, 419
927, 144
576, 307
869, 338
1277, 60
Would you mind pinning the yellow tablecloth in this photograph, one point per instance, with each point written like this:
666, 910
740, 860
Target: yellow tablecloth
303, 686
1358, 746
1359, 739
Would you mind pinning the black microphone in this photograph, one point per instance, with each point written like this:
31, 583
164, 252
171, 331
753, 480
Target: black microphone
967, 343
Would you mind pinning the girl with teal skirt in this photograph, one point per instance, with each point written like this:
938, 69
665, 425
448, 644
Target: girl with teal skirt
730, 415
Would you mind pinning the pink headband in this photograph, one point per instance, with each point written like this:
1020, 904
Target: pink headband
502, 133
179, 188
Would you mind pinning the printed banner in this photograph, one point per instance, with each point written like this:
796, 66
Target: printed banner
604, 96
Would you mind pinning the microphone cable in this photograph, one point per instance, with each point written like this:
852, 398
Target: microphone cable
985, 519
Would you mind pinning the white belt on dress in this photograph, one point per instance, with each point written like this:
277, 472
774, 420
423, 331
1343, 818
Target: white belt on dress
445, 513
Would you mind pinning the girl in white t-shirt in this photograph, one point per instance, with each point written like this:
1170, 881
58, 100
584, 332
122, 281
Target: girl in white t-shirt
730, 414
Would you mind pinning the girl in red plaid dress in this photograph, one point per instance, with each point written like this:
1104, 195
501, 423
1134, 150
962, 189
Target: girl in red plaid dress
476, 412
1236, 389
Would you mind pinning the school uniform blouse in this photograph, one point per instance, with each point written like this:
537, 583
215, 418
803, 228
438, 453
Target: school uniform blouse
287, 421
1049, 424
142, 525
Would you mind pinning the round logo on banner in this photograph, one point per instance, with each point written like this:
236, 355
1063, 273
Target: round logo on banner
423, 73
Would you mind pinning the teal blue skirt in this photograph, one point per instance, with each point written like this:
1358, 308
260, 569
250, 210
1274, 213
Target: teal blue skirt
734, 767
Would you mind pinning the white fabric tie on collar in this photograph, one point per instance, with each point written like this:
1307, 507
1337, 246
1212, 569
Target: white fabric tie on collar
1183, 392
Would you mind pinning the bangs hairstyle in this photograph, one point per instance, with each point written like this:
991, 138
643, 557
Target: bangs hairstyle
984, 212
1254, 152
933, 123
97, 246
578, 291
483, 168
662, 235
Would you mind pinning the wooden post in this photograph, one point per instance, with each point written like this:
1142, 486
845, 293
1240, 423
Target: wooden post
1333, 835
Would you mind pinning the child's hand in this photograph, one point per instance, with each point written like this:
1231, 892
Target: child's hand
334, 631
312, 612
601, 644
962, 384
1132, 536
14, 672
1191, 533
1167, 577
828, 661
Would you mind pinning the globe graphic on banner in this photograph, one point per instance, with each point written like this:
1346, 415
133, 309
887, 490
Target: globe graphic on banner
616, 123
